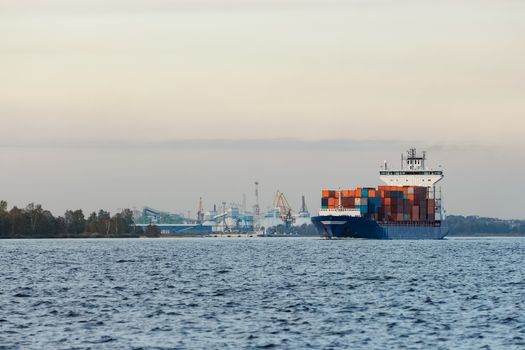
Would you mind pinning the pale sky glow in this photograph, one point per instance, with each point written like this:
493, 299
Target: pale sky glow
85, 83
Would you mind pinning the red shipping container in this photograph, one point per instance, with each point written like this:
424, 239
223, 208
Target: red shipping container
415, 213
348, 202
431, 206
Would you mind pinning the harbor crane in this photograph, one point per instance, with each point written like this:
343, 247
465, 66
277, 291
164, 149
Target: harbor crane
200, 212
285, 210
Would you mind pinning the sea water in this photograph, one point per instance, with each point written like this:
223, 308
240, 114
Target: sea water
283, 293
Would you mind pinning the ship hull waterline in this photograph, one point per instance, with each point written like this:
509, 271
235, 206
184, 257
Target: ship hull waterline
330, 226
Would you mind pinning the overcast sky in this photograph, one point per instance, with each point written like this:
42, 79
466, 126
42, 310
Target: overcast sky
112, 103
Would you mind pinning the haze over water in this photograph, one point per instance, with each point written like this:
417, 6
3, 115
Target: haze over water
262, 293
118, 104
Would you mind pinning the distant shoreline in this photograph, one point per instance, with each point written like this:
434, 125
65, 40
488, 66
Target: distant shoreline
98, 237
486, 235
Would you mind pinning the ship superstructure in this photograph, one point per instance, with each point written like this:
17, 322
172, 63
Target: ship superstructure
407, 207
413, 172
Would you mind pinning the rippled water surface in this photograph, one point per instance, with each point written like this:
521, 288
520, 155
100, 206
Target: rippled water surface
262, 293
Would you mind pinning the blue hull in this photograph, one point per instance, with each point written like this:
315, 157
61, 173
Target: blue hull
359, 227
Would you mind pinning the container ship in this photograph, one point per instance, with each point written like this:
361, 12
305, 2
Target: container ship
408, 206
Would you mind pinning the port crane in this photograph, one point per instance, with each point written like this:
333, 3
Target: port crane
285, 210
200, 212
221, 219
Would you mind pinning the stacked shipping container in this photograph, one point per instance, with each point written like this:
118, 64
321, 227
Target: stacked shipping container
386, 203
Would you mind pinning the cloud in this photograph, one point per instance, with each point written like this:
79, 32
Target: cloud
242, 145
169, 5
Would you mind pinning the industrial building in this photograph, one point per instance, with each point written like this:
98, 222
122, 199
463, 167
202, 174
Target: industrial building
228, 218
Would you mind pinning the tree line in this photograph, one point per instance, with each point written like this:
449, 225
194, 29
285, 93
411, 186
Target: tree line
465, 225
303, 230
34, 221
458, 226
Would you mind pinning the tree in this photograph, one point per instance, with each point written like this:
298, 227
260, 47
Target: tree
103, 222
47, 225
34, 221
5, 224
35, 214
61, 227
122, 223
19, 222
118, 224
75, 222
41, 222
127, 215
92, 223
152, 231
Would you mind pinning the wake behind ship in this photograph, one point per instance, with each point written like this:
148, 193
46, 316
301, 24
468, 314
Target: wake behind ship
407, 207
